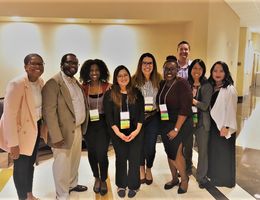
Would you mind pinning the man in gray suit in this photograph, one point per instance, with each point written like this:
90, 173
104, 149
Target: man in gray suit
66, 115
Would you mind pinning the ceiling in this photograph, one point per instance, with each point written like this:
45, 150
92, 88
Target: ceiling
248, 12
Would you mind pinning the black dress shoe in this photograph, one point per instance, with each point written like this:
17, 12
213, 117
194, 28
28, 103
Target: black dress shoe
103, 188
203, 185
171, 184
79, 188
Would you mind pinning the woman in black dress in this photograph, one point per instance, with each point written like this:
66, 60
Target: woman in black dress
175, 100
223, 128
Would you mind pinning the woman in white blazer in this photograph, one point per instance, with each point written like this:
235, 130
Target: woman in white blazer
21, 121
222, 165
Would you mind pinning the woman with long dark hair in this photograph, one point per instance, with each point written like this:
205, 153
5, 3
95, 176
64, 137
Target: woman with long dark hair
124, 109
147, 79
222, 139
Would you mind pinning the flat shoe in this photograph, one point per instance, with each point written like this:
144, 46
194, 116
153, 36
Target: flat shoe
131, 193
121, 192
149, 182
171, 184
142, 181
103, 188
79, 188
96, 187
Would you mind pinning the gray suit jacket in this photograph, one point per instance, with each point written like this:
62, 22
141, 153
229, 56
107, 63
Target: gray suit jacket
205, 93
58, 112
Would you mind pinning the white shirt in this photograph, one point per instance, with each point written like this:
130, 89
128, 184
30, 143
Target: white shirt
183, 71
77, 98
37, 97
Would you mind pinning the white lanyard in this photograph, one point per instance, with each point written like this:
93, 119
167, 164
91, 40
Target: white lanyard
94, 114
166, 92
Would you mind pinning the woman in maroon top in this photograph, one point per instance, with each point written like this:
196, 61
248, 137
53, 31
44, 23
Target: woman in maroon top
175, 101
94, 74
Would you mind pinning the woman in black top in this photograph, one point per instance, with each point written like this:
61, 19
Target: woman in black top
124, 109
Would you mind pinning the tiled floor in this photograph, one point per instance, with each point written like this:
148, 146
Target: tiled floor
44, 185
248, 169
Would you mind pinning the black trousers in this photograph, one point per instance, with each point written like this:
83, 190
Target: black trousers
128, 176
97, 139
23, 171
151, 130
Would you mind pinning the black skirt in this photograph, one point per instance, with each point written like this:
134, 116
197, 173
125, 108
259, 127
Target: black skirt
222, 154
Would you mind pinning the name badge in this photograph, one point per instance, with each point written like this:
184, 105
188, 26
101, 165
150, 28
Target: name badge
124, 120
94, 115
194, 109
148, 104
164, 112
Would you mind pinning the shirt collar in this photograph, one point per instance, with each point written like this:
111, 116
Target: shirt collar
67, 78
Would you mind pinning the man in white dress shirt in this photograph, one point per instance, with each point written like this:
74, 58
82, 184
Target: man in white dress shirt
65, 113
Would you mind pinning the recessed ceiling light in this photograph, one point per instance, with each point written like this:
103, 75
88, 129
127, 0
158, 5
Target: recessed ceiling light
16, 18
71, 20
120, 21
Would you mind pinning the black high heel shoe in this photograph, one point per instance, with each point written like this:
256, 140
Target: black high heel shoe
182, 191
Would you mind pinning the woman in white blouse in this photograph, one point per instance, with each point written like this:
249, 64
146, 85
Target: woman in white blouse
223, 127
20, 124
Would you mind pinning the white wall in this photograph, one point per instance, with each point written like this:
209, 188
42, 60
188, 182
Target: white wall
115, 44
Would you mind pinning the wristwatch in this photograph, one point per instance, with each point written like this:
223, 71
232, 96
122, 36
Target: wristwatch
175, 129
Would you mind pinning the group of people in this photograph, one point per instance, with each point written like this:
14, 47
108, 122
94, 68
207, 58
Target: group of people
131, 112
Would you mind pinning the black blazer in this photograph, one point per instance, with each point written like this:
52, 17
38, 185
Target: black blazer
112, 112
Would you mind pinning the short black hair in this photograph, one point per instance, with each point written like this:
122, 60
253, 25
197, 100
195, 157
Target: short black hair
85, 70
28, 58
64, 58
171, 57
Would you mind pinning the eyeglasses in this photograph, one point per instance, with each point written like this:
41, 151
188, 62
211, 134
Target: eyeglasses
72, 63
34, 64
122, 76
172, 69
147, 63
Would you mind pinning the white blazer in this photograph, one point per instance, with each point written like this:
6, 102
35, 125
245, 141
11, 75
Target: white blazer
224, 110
